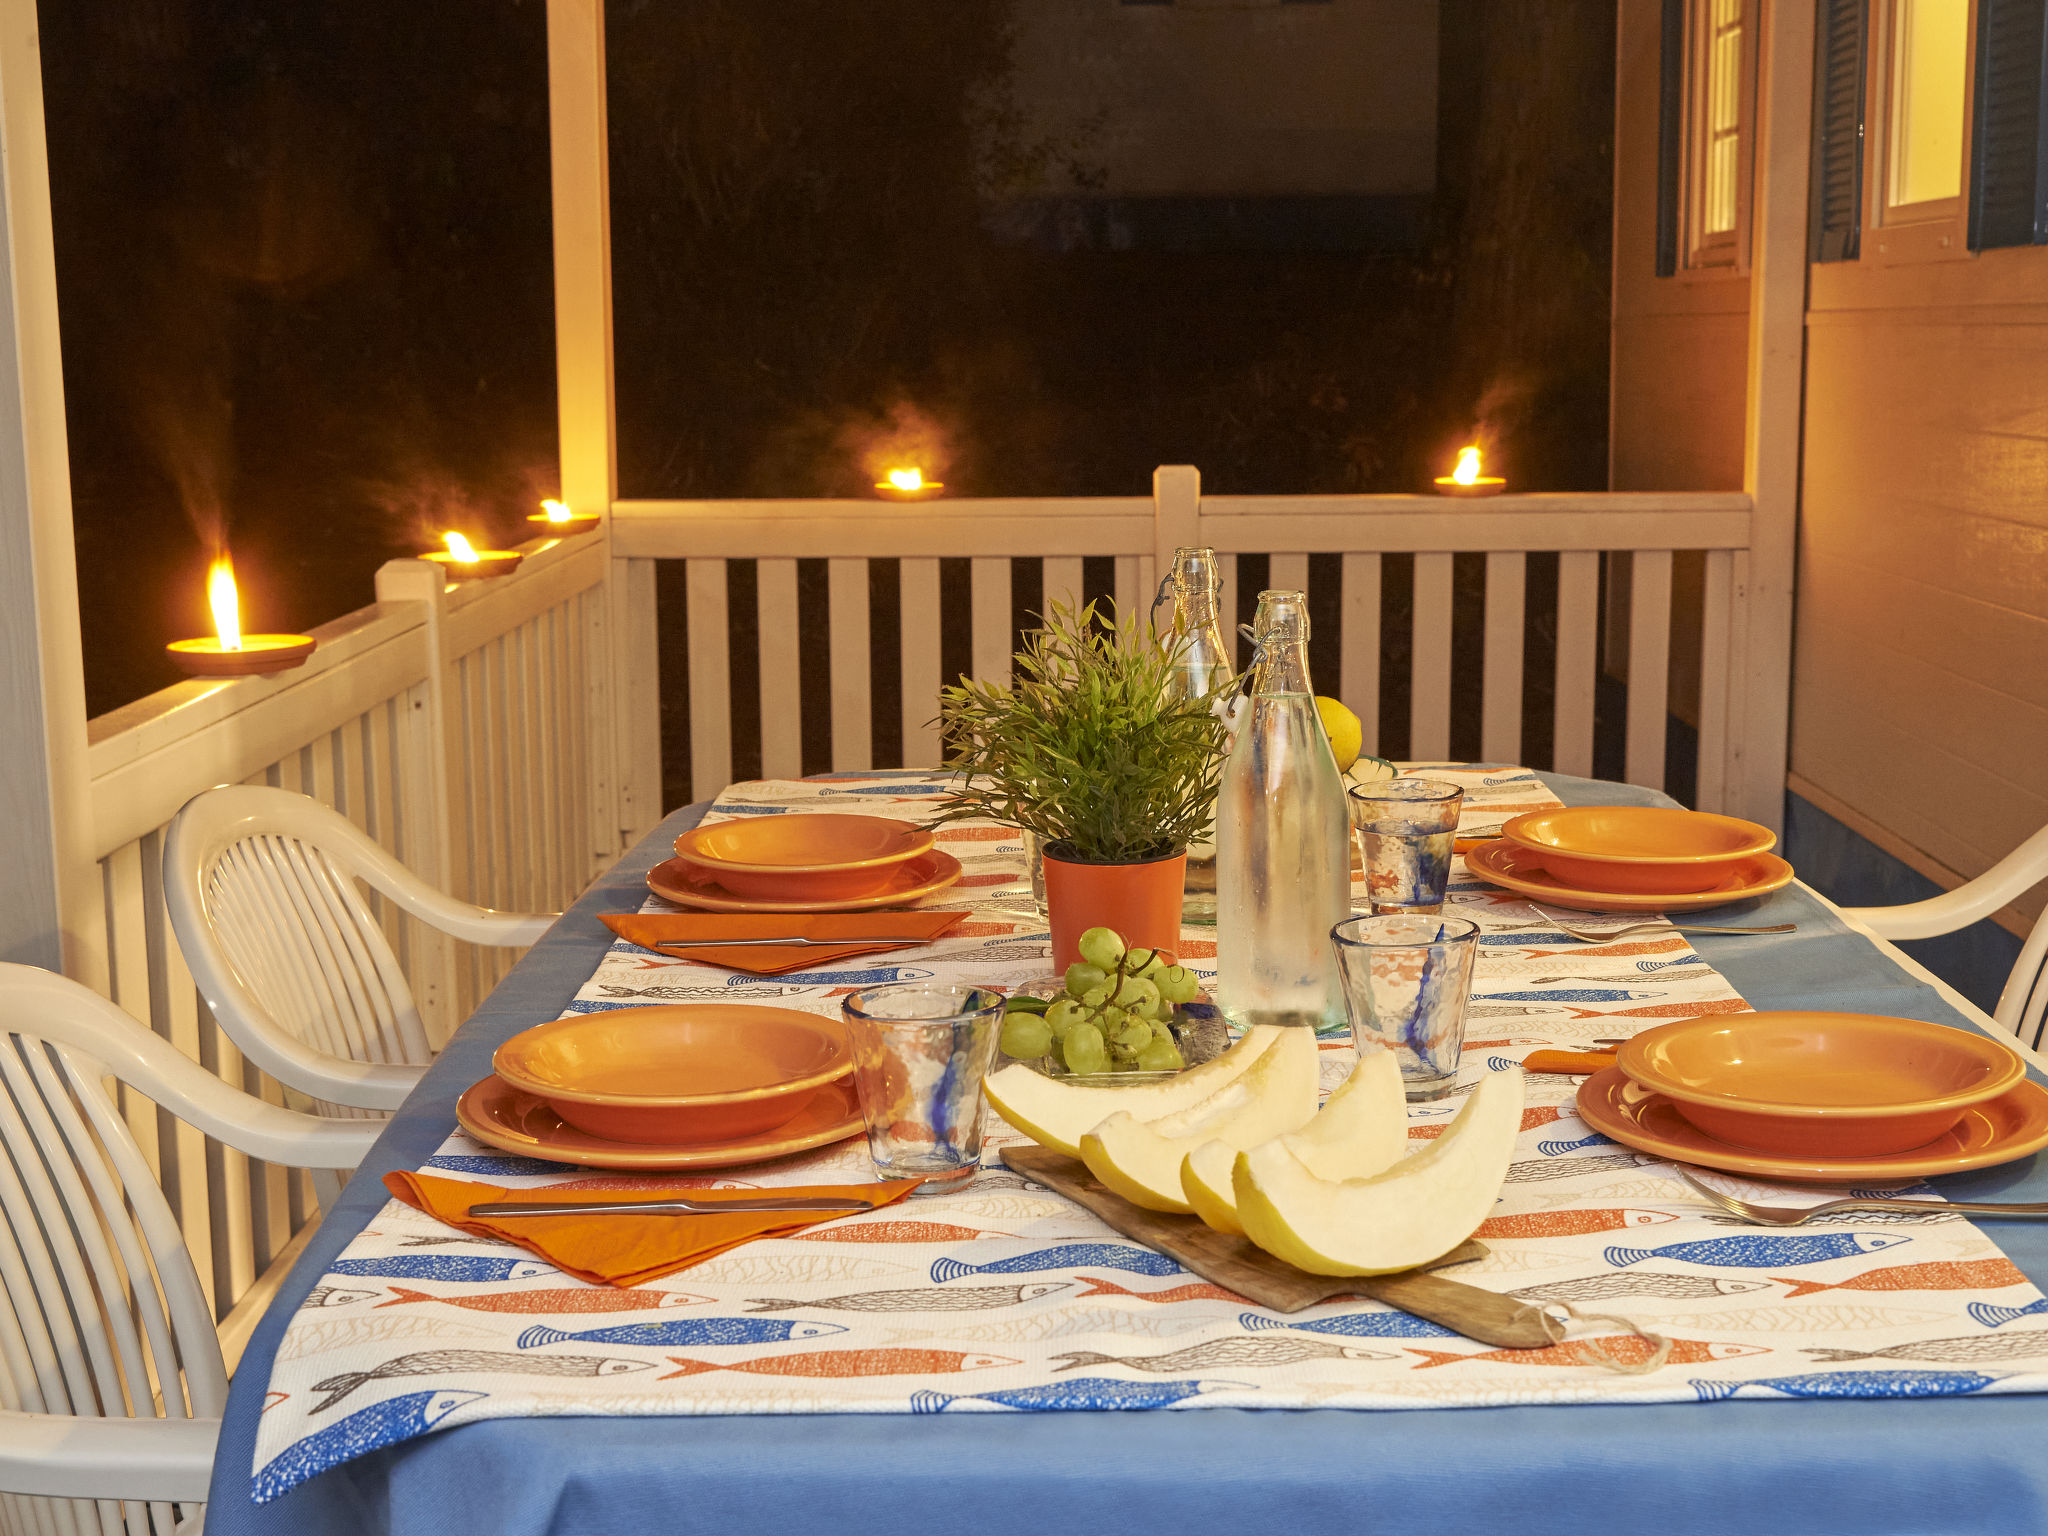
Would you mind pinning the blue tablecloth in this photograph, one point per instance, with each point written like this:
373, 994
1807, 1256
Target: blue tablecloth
1976, 1465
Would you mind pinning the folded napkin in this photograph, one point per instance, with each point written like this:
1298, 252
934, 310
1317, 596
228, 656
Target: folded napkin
1574, 1063
862, 933
626, 1250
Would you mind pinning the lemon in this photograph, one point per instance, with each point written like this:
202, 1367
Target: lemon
1342, 727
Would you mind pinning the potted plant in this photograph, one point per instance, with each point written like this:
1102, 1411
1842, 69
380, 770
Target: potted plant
1090, 749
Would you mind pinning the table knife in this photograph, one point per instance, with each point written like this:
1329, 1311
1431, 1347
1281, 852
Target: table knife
668, 1205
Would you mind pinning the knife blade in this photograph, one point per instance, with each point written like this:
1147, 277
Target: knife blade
669, 1206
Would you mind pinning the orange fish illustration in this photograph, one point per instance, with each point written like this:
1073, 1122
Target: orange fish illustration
1640, 947
272, 1399
1627, 1348
895, 1232
1482, 1045
1195, 949
846, 1362
1568, 1223
967, 880
981, 930
1178, 1293
1666, 1010
596, 1298
1960, 1275
979, 834
1531, 1118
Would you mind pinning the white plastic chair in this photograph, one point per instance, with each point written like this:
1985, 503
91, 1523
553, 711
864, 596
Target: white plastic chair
2024, 1001
261, 886
111, 1376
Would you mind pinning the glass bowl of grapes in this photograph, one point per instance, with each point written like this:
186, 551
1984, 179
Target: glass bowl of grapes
1119, 1015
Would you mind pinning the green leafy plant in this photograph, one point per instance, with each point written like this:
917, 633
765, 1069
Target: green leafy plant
1087, 747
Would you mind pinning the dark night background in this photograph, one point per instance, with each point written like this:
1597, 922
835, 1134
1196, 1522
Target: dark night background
303, 260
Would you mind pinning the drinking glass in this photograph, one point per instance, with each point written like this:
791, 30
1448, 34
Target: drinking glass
920, 1051
1406, 978
1406, 830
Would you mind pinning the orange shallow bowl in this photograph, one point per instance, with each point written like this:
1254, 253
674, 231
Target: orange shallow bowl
699, 1072
818, 856
1820, 1084
1638, 848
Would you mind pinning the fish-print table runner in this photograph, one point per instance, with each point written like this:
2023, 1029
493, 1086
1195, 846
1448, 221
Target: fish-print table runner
1004, 1297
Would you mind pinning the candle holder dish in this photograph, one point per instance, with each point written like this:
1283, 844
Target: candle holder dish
257, 654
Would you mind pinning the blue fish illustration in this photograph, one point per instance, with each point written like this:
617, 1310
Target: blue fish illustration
1551, 936
1139, 1261
1357, 1325
1659, 965
1854, 1384
472, 1267
764, 810
694, 1332
1762, 1252
1081, 1393
1568, 995
866, 978
498, 1167
1512, 778
885, 791
1560, 1148
1997, 1317
365, 1430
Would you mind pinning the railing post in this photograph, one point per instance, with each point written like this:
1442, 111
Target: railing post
427, 838
1176, 513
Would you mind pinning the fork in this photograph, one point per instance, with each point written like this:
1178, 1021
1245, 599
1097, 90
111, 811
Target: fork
1794, 1215
1605, 935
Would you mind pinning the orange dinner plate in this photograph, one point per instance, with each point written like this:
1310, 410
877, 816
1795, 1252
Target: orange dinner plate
1800, 1084
501, 1116
1520, 870
2001, 1130
802, 856
680, 1072
688, 885
1639, 848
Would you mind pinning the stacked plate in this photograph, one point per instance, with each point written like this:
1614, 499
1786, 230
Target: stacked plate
1627, 858
1828, 1097
804, 862
703, 1085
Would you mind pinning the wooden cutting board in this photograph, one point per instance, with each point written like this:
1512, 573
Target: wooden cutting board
1507, 1322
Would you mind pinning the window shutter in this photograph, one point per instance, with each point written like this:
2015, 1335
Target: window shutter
2008, 192
1670, 131
1836, 218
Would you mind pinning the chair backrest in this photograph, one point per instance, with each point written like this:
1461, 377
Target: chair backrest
261, 888
101, 1311
2023, 1005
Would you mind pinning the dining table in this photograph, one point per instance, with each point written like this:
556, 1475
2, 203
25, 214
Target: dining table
1976, 1464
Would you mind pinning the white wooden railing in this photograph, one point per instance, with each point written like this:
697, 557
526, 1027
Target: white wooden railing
501, 736
466, 729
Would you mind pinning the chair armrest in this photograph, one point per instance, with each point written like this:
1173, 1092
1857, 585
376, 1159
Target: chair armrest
1972, 901
65, 1456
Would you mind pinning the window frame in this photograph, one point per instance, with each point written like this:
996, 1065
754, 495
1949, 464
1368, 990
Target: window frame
1934, 228
1724, 251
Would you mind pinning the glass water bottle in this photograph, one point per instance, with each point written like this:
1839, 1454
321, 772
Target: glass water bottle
1283, 840
1202, 663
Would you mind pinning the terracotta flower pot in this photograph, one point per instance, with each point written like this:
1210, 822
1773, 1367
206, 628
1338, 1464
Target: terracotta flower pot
1141, 901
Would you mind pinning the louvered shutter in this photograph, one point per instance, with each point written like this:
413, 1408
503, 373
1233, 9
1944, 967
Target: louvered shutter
2008, 193
1836, 219
1670, 132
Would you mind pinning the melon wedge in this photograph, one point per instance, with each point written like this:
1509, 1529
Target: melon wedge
1056, 1114
1415, 1211
1361, 1129
1141, 1160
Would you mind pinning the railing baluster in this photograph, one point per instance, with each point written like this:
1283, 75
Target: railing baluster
1649, 664
1358, 661
1063, 580
852, 687
1429, 695
1715, 611
1500, 724
918, 605
1288, 573
782, 745
710, 681
991, 620
1578, 639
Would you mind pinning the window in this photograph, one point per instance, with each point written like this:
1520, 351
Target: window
1836, 219
2009, 169
1923, 167
1703, 204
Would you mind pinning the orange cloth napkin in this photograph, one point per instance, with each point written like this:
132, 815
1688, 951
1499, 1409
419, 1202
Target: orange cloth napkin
632, 1249
1574, 1062
865, 933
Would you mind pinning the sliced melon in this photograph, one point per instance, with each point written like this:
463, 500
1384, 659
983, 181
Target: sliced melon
1361, 1129
1415, 1211
1058, 1114
1141, 1161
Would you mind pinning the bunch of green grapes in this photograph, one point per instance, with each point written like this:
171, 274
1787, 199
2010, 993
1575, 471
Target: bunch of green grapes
1112, 1014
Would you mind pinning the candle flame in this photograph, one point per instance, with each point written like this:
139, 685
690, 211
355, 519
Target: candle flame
557, 511
1467, 472
907, 479
220, 593
459, 547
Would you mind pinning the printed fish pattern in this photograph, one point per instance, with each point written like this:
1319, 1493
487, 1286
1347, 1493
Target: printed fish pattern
1762, 1252
1007, 1287
470, 1362
977, 1298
